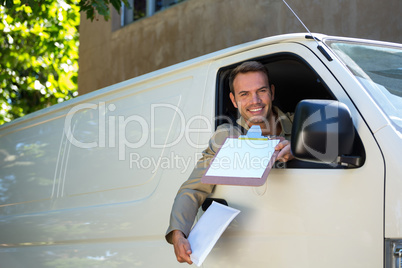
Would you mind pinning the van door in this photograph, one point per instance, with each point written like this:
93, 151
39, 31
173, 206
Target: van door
305, 217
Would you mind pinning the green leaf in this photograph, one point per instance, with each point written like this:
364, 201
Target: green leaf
117, 4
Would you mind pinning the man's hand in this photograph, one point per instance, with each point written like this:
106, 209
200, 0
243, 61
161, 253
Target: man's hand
285, 153
181, 246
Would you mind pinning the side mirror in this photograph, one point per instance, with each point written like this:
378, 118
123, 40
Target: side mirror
323, 132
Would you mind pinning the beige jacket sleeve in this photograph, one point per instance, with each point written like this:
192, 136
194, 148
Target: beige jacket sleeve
193, 193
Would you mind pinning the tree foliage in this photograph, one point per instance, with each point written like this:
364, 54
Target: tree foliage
38, 56
39, 51
101, 7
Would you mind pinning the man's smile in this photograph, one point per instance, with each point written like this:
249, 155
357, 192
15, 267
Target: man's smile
255, 109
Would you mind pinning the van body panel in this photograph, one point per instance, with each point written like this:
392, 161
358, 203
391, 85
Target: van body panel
389, 140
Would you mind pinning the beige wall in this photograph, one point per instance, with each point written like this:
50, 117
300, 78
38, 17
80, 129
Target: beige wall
197, 27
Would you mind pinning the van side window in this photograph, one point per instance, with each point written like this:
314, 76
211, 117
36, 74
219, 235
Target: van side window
294, 81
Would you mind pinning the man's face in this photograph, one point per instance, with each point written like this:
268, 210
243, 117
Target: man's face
253, 97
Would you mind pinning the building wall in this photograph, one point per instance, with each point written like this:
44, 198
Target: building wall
110, 54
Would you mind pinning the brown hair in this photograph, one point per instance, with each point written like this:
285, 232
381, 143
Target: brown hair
245, 67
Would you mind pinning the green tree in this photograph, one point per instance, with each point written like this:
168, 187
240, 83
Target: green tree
38, 57
39, 51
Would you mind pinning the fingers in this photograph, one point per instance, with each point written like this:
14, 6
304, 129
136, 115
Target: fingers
183, 251
285, 153
282, 145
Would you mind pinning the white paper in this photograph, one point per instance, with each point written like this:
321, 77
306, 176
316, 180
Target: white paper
247, 158
208, 229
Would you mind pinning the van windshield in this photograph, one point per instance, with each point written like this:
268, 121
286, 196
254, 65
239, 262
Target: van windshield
379, 69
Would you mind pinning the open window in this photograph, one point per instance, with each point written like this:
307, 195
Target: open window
294, 81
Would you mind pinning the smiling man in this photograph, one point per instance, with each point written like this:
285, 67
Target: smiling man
252, 94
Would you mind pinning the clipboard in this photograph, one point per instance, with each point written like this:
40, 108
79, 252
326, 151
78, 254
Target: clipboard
245, 160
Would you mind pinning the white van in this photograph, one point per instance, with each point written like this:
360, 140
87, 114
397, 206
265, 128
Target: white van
90, 182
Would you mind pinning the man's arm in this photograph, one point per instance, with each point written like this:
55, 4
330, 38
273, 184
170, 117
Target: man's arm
192, 194
189, 198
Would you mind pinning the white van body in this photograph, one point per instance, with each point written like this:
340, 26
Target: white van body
90, 182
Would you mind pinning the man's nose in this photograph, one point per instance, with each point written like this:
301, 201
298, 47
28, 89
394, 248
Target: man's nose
255, 98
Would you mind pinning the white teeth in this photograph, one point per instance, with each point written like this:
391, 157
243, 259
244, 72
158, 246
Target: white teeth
256, 110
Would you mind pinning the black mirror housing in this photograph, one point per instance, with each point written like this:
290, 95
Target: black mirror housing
322, 131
